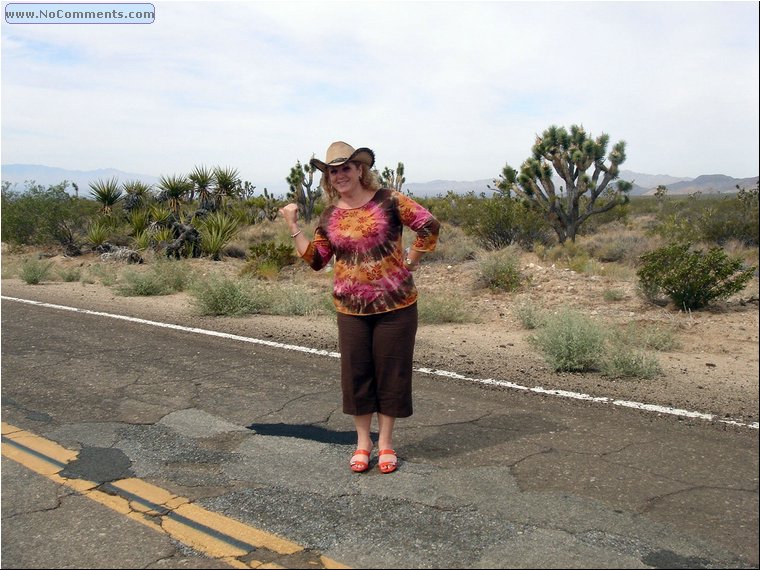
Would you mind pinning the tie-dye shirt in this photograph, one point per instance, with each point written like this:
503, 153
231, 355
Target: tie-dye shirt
370, 275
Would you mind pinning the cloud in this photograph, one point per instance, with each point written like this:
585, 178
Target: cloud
452, 89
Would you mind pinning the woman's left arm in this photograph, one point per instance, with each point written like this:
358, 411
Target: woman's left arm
422, 222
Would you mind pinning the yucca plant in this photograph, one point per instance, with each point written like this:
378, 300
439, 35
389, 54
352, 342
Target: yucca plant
139, 220
174, 189
98, 232
163, 235
137, 194
227, 184
217, 230
107, 193
142, 240
159, 213
203, 181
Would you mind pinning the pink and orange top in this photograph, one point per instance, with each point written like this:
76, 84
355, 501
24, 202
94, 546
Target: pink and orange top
370, 274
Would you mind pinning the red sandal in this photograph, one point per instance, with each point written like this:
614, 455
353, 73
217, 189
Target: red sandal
358, 466
387, 466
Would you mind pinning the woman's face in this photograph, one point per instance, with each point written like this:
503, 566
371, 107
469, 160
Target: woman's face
345, 178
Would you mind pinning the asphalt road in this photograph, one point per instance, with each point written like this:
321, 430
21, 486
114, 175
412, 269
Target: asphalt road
127, 445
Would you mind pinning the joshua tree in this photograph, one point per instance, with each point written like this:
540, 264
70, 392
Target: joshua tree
393, 179
300, 180
583, 195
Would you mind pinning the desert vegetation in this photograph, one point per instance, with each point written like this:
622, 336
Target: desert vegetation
210, 236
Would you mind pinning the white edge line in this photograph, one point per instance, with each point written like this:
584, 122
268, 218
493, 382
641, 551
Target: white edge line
443, 373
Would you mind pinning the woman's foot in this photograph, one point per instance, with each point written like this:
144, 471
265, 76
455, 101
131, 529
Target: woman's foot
387, 461
360, 460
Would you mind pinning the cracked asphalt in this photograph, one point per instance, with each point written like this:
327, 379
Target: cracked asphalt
489, 478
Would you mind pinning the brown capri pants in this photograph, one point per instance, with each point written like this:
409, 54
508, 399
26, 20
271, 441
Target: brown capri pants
376, 354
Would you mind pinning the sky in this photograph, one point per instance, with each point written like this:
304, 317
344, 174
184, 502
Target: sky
454, 90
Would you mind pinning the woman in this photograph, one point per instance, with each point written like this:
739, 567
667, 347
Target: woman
374, 293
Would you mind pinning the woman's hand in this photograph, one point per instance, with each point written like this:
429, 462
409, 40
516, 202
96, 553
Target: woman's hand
290, 213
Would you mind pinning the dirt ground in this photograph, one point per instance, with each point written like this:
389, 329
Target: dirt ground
714, 369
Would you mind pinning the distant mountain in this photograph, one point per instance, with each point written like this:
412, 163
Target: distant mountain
442, 187
647, 181
643, 184
710, 184
18, 174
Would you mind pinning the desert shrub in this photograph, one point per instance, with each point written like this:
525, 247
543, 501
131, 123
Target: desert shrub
279, 253
691, 279
613, 295
623, 362
529, 316
499, 221
164, 277
106, 274
34, 271
437, 309
570, 342
293, 300
711, 219
500, 270
616, 245
616, 216
564, 252
222, 296
43, 216
657, 337
142, 284
265, 259
10, 269
70, 274
454, 245
234, 251
454, 209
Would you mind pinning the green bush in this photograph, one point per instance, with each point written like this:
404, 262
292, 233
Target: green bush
529, 316
221, 296
439, 309
43, 216
714, 219
691, 279
70, 274
293, 300
268, 257
163, 278
454, 245
34, 271
623, 362
570, 342
499, 221
499, 270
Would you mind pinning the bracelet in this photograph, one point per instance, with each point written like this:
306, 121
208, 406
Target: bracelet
295, 234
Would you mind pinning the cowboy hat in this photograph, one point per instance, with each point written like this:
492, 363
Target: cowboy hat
340, 152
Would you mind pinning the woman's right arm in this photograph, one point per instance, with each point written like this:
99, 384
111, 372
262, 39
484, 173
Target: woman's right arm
316, 252
290, 213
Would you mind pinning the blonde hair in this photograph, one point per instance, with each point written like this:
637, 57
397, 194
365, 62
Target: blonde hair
368, 179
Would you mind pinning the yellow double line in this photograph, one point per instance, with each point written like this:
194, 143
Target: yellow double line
217, 536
